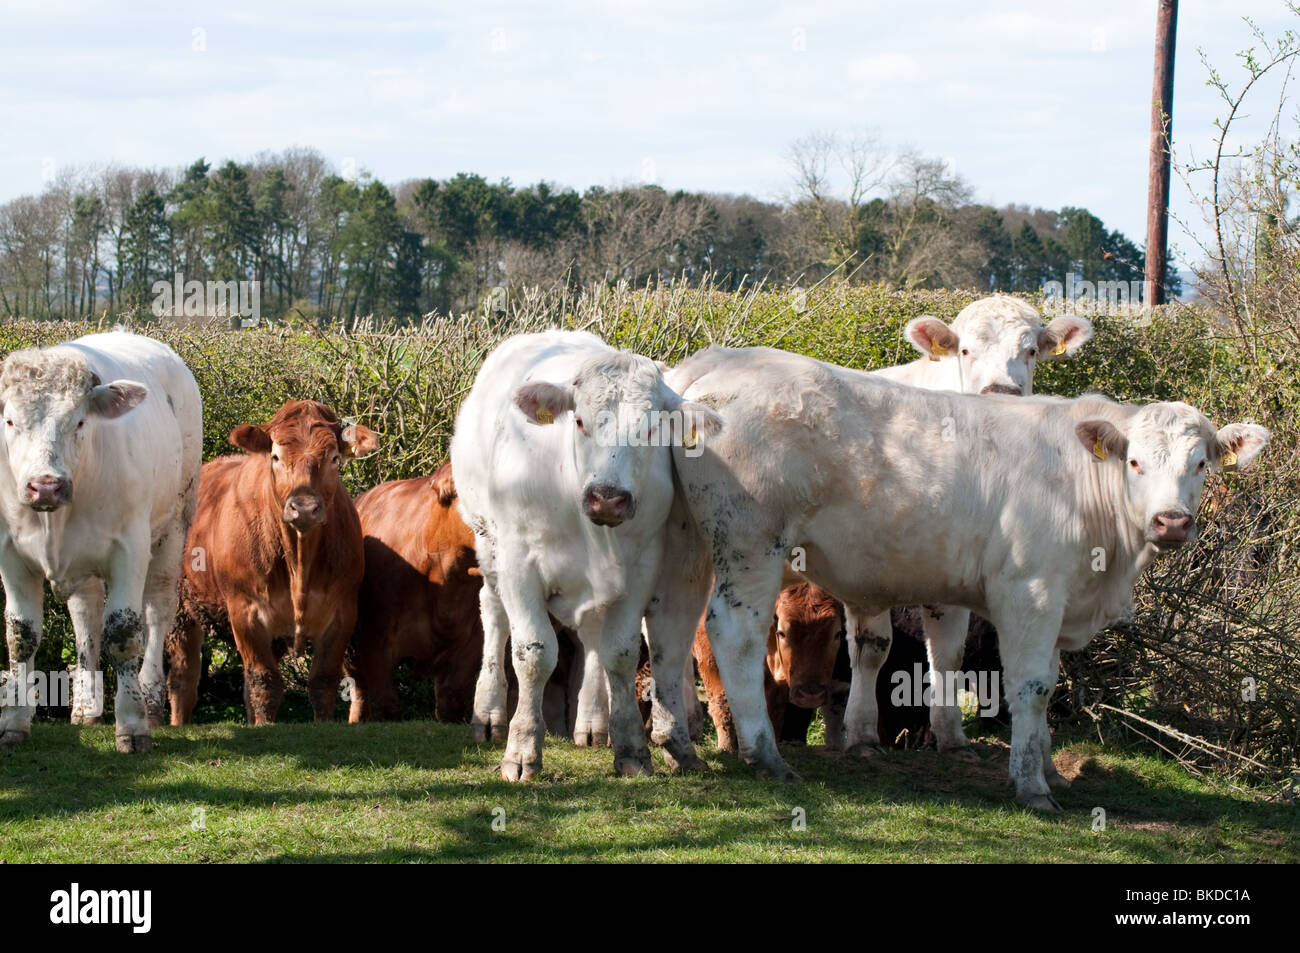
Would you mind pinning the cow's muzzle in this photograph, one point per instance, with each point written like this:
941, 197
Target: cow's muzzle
608, 505
808, 695
1170, 529
304, 511
46, 493
1007, 389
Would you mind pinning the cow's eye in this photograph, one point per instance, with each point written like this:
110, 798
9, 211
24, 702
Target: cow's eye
965, 352
336, 459
1135, 466
780, 633
1033, 352
578, 420
1200, 466
275, 458
81, 424
8, 422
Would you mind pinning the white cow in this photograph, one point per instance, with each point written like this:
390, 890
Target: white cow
901, 496
991, 347
98, 486
564, 474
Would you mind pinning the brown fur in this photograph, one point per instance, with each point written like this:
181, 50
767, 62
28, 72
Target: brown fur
419, 598
800, 668
259, 575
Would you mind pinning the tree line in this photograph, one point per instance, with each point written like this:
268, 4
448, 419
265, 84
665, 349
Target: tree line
326, 246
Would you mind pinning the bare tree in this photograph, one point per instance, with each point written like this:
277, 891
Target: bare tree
834, 178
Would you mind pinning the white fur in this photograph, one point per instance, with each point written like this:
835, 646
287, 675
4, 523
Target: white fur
134, 483
900, 496
521, 485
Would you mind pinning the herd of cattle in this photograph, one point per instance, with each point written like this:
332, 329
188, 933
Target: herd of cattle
613, 522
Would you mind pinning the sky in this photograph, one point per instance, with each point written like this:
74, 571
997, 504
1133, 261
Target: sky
1041, 103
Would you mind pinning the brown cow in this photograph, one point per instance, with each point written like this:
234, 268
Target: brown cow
419, 598
419, 602
274, 554
802, 648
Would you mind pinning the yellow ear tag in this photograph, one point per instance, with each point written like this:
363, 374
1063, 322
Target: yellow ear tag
691, 442
544, 416
1059, 349
1098, 450
937, 351
1229, 459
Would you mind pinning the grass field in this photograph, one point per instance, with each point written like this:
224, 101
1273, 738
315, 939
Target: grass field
421, 791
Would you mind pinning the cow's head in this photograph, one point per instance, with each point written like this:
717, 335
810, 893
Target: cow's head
52, 404
996, 343
306, 448
1166, 450
803, 643
620, 414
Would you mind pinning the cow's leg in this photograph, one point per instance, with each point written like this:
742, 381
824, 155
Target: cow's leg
719, 710
1028, 623
86, 607
738, 619
263, 683
124, 642
161, 596
491, 711
945, 640
533, 652
668, 631
1055, 779
691, 698
327, 665
620, 653
24, 615
592, 725
869, 636
184, 666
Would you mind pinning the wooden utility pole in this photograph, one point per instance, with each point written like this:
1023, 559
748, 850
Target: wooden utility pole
1162, 112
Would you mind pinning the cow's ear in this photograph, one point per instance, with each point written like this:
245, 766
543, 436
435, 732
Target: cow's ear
1102, 439
445, 487
358, 441
700, 420
1237, 445
115, 399
542, 401
251, 438
1063, 337
932, 337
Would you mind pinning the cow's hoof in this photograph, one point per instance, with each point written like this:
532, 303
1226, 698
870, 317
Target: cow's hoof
591, 738
865, 749
138, 743
964, 753
514, 770
1055, 779
81, 718
1040, 802
633, 766
14, 736
483, 731
780, 771
688, 762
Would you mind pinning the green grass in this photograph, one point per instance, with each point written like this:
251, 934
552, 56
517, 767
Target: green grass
421, 791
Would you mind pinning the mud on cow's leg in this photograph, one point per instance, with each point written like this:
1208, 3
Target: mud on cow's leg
869, 635
86, 607
24, 604
123, 648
